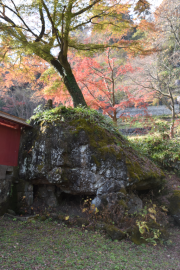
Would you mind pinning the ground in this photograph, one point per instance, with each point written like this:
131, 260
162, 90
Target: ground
54, 245
49, 245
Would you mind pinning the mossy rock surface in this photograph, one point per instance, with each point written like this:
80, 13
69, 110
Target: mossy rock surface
114, 232
83, 154
174, 206
164, 234
43, 218
82, 221
154, 233
100, 226
136, 237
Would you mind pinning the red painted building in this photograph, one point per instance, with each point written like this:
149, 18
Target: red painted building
10, 134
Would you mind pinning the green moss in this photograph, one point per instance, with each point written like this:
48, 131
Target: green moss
106, 144
90, 228
175, 203
144, 173
122, 190
82, 221
43, 218
114, 232
99, 138
97, 134
11, 201
64, 114
177, 193
128, 162
123, 203
136, 171
104, 140
40, 166
153, 225
110, 150
95, 160
64, 176
100, 226
154, 232
136, 236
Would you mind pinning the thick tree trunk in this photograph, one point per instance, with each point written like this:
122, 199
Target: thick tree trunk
70, 83
74, 90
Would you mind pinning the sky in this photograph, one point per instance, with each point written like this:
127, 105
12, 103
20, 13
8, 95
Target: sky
155, 2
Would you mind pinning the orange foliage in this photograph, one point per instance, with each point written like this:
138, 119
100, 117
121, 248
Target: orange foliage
99, 83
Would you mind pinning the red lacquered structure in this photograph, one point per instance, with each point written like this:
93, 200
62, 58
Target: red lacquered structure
10, 135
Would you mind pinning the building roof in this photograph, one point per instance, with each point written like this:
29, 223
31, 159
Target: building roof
14, 119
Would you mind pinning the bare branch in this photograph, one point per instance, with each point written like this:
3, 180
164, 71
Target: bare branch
17, 14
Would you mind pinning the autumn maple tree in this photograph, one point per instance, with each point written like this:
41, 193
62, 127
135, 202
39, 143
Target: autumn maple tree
20, 86
47, 29
142, 8
159, 77
101, 81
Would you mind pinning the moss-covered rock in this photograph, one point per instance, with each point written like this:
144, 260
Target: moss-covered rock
82, 221
114, 232
148, 232
43, 218
100, 226
174, 206
144, 174
81, 152
136, 236
90, 228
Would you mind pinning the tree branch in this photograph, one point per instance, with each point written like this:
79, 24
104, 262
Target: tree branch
16, 13
54, 30
42, 23
85, 9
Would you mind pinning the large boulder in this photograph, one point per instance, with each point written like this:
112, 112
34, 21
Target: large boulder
82, 153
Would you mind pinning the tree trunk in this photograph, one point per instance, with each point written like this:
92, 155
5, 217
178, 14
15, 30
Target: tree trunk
173, 119
70, 83
115, 117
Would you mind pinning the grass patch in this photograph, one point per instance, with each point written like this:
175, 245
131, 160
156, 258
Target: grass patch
162, 152
50, 245
134, 122
145, 121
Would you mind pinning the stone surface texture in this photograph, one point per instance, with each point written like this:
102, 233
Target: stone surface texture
6, 173
79, 158
174, 206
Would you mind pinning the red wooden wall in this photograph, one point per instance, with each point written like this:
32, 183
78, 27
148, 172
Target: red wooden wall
10, 134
